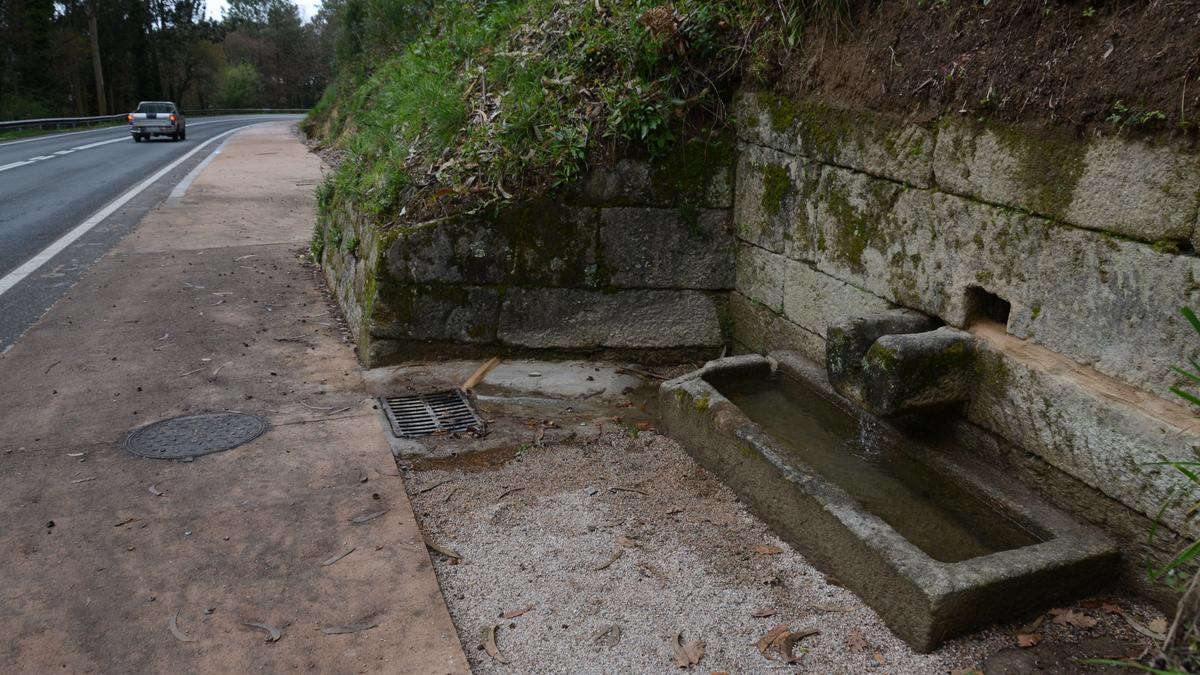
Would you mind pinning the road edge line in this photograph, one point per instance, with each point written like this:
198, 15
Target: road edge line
181, 188
8, 281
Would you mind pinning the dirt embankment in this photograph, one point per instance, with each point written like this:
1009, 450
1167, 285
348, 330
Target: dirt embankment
1130, 67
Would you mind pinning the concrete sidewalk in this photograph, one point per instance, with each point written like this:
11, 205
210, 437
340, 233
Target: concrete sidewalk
207, 306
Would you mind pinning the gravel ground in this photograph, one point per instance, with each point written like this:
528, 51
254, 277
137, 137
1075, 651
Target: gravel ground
534, 533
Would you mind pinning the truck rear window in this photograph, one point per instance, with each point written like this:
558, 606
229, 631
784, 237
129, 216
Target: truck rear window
156, 108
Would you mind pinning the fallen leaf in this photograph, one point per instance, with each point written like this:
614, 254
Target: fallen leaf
833, 608
768, 550
1112, 608
626, 542
616, 555
359, 520
153, 489
273, 633
650, 570
879, 658
179, 635
1072, 618
763, 612
1032, 626
1157, 636
608, 637
516, 612
687, 655
448, 552
339, 556
488, 636
1158, 626
642, 426
343, 630
765, 642
856, 642
787, 644
1028, 639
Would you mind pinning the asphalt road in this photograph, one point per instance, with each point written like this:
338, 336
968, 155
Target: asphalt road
49, 185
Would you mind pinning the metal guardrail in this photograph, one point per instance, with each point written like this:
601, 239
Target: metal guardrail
72, 122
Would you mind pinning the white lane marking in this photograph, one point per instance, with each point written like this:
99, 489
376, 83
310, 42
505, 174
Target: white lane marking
48, 137
182, 188
60, 153
89, 146
30, 266
96, 145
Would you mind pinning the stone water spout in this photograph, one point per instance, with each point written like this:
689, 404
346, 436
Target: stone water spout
896, 363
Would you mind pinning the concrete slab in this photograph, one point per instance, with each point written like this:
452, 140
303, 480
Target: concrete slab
922, 599
526, 402
207, 306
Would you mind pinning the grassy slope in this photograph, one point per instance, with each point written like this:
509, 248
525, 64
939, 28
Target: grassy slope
504, 97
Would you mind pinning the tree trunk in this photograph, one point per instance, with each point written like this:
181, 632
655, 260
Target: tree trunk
93, 33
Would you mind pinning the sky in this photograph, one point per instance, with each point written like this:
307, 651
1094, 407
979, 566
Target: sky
307, 8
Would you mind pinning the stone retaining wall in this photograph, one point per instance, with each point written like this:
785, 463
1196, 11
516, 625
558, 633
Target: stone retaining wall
841, 214
635, 260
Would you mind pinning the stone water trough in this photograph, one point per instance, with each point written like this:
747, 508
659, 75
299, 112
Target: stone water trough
936, 542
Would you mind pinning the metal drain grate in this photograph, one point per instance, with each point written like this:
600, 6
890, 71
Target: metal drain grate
425, 414
195, 435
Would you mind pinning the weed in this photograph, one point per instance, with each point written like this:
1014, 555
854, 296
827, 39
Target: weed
1122, 116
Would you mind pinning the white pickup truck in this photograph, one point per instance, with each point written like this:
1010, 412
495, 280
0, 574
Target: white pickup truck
157, 118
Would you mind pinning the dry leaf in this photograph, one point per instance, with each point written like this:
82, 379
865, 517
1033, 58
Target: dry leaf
608, 637
856, 642
1032, 626
879, 658
1112, 608
626, 542
687, 655
1072, 618
768, 550
763, 612
1157, 636
273, 633
174, 626
448, 552
787, 643
488, 637
1028, 639
765, 642
616, 554
833, 608
1158, 626
516, 612
781, 641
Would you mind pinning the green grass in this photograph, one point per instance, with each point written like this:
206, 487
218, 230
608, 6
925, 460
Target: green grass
501, 99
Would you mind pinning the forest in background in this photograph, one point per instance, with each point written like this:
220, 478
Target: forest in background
93, 57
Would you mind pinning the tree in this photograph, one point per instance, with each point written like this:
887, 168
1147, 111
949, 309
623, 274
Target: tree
242, 87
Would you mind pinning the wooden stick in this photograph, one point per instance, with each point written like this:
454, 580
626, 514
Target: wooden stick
479, 374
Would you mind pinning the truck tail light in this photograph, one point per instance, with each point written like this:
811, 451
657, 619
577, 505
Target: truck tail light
129, 118
172, 118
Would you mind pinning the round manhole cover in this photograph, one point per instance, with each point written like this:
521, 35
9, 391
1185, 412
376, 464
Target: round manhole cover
195, 435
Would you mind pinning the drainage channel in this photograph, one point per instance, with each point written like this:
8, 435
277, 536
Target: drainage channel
419, 415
